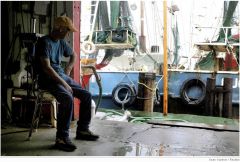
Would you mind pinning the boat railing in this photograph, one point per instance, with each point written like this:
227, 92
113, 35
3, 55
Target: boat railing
219, 46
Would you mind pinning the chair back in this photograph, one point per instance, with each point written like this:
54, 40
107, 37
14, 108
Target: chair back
29, 41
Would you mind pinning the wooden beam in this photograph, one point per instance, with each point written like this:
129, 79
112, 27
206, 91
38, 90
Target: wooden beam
76, 6
165, 61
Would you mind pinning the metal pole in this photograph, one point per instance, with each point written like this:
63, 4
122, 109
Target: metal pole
33, 29
142, 18
142, 38
165, 61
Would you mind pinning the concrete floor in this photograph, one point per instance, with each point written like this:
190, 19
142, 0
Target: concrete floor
124, 139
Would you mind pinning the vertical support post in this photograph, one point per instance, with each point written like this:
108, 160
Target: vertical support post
218, 97
210, 96
146, 90
142, 38
220, 102
76, 6
165, 61
227, 97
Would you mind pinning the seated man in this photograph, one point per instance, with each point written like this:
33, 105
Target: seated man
49, 53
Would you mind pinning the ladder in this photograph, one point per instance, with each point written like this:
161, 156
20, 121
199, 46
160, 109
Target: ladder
219, 46
87, 46
94, 9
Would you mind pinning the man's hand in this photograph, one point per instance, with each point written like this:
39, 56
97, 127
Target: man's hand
68, 88
68, 70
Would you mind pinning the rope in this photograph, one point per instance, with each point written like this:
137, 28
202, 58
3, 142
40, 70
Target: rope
198, 73
151, 89
147, 86
126, 75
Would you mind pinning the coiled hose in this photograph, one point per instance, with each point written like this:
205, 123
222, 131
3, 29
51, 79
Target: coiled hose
98, 82
133, 119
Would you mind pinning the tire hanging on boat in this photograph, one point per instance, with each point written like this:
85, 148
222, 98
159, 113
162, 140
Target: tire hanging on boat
187, 86
125, 94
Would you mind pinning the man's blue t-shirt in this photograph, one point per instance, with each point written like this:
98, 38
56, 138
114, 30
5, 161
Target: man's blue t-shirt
54, 51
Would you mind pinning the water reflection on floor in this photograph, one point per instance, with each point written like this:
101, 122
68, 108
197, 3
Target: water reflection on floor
137, 149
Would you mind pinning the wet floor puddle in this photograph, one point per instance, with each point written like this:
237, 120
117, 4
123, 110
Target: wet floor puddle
137, 149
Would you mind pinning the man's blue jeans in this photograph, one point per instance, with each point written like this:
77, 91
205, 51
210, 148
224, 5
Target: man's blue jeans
65, 107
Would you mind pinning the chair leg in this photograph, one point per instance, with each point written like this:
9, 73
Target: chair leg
35, 119
9, 102
54, 113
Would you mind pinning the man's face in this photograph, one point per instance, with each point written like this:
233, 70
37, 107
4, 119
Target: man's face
63, 32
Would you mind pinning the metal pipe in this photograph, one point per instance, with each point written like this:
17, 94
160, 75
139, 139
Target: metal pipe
33, 25
142, 18
142, 38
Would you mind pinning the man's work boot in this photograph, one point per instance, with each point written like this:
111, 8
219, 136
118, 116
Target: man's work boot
65, 144
86, 135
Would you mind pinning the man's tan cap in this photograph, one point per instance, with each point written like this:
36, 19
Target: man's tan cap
64, 21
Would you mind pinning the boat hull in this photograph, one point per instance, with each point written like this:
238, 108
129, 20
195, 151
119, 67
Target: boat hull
176, 80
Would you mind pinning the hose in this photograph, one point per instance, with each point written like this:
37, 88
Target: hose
98, 82
115, 112
135, 119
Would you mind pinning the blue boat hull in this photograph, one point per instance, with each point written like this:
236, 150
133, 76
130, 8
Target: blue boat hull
176, 79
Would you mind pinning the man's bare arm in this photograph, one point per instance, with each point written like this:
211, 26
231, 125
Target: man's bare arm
52, 73
70, 64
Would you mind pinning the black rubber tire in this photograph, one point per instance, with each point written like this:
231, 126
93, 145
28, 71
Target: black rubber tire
188, 84
120, 92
